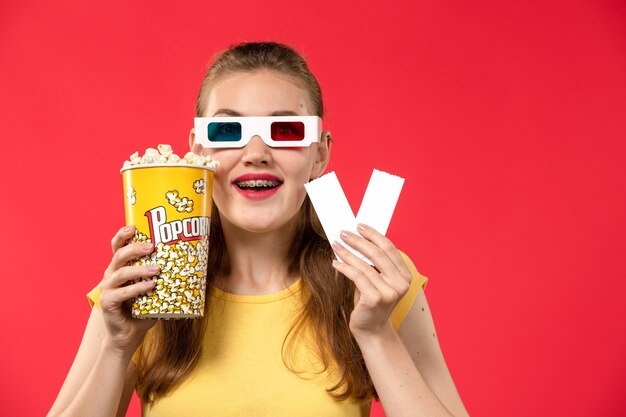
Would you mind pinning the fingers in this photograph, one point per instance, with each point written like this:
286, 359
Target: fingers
117, 285
383, 254
121, 237
387, 246
376, 254
114, 287
128, 253
125, 274
112, 299
369, 282
362, 282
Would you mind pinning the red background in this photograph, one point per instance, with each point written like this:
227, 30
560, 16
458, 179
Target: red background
507, 120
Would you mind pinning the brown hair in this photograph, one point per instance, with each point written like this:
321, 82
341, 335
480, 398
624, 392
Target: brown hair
171, 350
255, 56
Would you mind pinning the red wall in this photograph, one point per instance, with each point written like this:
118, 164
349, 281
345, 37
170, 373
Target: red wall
507, 120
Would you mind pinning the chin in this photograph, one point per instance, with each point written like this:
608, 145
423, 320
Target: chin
258, 228
260, 223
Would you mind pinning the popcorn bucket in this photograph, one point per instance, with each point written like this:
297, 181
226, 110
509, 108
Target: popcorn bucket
170, 206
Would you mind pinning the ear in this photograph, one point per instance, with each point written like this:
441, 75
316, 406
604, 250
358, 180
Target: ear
323, 154
193, 146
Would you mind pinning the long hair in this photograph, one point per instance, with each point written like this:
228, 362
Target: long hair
172, 349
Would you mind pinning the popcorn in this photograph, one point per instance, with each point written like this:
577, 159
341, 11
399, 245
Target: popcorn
132, 195
168, 201
173, 159
200, 186
165, 155
148, 159
165, 150
152, 152
195, 159
181, 204
180, 287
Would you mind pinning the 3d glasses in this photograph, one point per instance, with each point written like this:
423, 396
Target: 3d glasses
276, 131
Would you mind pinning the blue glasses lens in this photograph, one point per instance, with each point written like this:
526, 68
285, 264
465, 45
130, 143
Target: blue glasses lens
224, 131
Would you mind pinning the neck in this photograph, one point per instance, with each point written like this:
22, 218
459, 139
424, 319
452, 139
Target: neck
258, 261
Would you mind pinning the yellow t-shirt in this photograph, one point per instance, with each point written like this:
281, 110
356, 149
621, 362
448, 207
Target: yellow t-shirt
241, 370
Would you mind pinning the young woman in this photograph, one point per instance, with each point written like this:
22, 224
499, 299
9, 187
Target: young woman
287, 330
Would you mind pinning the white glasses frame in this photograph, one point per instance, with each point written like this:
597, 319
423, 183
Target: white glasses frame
258, 126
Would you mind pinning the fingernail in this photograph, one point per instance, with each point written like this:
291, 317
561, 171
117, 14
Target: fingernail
337, 246
146, 246
127, 229
362, 228
345, 235
154, 268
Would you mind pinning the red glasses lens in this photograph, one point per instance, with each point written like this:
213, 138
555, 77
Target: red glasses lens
287, 131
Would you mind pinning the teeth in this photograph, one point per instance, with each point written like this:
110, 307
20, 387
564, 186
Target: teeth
257, 183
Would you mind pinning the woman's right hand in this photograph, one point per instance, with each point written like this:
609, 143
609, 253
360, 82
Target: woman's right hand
124, 333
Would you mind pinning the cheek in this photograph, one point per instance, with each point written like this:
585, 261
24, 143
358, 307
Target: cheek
226, 157
212, 152
299, 164
227, 160
221, 185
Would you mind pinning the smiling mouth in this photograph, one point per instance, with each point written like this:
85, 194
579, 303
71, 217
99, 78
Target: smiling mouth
257, 185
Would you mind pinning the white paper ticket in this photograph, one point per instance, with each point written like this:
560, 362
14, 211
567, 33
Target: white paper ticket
335, 214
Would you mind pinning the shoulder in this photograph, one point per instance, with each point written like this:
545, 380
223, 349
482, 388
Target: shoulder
418, 281
93, 297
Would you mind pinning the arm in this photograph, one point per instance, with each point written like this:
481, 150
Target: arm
418, 336
410, 364
102, 377
402, 387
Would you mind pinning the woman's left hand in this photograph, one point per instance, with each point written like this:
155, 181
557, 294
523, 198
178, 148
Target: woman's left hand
378, 288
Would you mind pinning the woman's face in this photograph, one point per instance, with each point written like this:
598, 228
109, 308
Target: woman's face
261, 93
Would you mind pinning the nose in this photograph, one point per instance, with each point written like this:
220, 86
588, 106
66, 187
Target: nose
256, 152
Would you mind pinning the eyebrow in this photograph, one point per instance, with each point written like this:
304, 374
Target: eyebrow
234, 113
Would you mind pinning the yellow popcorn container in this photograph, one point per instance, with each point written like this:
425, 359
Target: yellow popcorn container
170, 206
